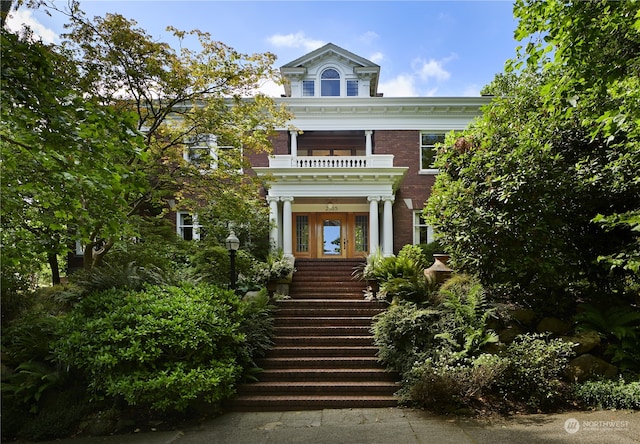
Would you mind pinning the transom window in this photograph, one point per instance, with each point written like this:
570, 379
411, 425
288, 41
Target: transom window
330, 83
428, 141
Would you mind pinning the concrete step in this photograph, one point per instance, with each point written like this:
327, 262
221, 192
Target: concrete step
310, 388
318, 402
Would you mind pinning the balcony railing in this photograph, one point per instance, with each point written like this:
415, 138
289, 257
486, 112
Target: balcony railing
350, 162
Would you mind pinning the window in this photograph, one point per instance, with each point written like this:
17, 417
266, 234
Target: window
308, 88
422, 233
204, 152
352, 88
187, 226
428, 140
302, 233
362, 233
200, 151
330, 83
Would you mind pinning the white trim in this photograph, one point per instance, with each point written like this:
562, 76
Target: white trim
180, 226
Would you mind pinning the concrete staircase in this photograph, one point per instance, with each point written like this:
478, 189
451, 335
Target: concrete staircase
323, 354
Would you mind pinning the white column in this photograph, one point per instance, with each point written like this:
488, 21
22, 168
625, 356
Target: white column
374, 242
294, 143
368, 143
387, 227
287, 235
274, 241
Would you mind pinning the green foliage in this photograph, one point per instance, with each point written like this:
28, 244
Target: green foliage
403, 332
118, 275
257, 328
465, 315
619, 326
534, 374
400, 277
444, 382
545, 183
61, 153
165, 348
609, 394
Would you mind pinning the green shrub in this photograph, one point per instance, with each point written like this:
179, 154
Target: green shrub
445, 381
257, 327
119, 275
609, 394
619, 327
465, 314
166, 348
536, 364
403, 333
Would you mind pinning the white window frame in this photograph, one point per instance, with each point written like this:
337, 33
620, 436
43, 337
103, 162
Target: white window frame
435, 132
418, 225
207, 142
339, 81
357, 85
180, 225
313, 87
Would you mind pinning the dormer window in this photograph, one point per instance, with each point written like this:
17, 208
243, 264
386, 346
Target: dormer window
308, 88
330, 83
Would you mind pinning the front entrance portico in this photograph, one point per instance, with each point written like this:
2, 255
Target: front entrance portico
316, 190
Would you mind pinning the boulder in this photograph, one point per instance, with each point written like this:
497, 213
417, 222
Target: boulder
525, 316
587, 366
509, 334
554, 326
585, 340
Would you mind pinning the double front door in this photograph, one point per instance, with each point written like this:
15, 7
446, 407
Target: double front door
331, 235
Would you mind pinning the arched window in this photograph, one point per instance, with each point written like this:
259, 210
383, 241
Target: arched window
330, 83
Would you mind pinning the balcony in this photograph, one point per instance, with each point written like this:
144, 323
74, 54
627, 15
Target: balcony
333, 162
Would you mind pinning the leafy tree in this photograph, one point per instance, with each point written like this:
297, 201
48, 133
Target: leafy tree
545, 183
97, 129
178, 98
60, 152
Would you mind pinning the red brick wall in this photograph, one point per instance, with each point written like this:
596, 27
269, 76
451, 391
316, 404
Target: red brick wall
405, 146
280, 144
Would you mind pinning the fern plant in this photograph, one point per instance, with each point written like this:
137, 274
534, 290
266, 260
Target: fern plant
619, 326
466, 313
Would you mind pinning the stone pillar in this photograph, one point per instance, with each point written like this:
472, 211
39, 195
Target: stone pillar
387, 227
374, 242
294, 143
274, 240
287, 227
368, 143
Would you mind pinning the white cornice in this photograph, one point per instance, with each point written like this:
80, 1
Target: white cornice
383, 113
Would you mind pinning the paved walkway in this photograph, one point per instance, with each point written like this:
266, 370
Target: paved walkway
392, 426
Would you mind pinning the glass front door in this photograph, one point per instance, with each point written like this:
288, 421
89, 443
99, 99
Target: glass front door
333, 236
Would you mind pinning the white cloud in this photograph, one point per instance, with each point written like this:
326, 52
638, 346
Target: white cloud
24, 17
400, 86
431, 69
368, 37
377, 57
297, 40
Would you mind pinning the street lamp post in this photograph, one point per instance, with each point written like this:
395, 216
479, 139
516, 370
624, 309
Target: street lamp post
232, 242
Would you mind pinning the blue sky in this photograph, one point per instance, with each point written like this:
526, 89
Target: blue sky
424, 48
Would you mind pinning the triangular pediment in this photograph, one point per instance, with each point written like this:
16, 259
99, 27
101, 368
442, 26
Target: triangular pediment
330, 53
